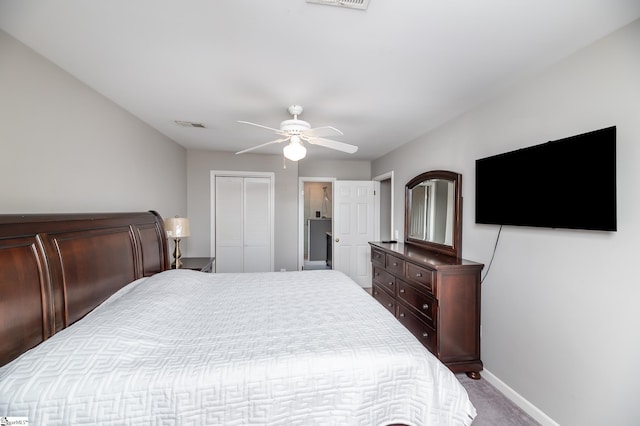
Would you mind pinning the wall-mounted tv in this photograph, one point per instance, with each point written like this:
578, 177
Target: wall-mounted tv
568, 183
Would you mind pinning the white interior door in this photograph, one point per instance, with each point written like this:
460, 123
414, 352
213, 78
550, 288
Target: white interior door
354, 227
243, 223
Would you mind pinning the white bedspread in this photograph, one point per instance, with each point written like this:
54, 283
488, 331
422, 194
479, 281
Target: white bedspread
189, 348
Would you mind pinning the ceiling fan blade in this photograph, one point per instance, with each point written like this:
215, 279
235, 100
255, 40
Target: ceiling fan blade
260, 146
278, 131
319, 132
328, 143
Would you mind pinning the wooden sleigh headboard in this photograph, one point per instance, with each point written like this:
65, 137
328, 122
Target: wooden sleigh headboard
56, 268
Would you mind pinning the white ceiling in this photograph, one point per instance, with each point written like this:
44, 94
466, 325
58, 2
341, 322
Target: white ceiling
383, 76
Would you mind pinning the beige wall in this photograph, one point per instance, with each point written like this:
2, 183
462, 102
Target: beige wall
66, 148
199, 166
201, 163
559, 307
339, 169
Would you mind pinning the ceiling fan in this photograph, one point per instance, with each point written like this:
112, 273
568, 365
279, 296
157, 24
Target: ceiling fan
299, 131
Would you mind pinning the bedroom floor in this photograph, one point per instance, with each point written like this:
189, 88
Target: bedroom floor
494, 409
314, 265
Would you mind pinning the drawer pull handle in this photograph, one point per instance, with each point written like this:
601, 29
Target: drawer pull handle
390, 305
395, 263
425, 334
425, 306
375, 293
402, 315
402, 290
419, 274
390, 283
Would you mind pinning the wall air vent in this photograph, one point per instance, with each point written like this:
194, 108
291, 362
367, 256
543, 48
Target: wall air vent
351, 4
190, 124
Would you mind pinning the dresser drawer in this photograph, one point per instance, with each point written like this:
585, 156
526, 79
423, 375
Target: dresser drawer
424, 304
395, 265
423, 332
384, 280
377, 257
419, 275
384, 298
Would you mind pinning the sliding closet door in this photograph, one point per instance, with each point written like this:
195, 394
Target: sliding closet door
257, 232
229, 224
243, 224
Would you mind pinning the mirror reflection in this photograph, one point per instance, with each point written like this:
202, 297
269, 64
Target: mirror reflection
432, 207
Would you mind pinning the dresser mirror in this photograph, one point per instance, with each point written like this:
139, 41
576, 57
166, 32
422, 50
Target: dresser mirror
433, 212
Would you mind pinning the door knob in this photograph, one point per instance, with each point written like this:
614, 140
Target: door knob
337, 240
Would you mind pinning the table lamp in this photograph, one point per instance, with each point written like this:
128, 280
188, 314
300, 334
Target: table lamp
177, 228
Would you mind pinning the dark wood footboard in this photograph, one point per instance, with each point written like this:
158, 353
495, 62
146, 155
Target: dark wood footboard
54, 269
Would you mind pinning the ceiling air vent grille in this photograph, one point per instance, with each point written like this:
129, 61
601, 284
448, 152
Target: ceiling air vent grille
351, 4
190, 124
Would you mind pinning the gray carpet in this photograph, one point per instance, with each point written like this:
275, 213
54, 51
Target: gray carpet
494, 409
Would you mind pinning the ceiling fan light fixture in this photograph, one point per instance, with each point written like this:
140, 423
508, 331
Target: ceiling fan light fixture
295, 151
296, 131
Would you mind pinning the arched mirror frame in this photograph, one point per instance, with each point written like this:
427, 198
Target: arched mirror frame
456, 248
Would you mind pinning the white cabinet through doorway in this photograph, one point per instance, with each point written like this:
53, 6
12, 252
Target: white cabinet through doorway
243, 223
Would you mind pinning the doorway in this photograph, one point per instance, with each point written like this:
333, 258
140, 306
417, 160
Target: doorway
316, 223
350, 258
387, 232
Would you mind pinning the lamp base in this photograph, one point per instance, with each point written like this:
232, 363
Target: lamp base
177, 264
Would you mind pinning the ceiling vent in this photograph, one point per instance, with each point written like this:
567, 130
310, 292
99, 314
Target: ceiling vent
351, 4
190, 124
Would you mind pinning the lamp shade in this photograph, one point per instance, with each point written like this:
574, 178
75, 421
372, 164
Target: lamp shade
177, 227
295, 150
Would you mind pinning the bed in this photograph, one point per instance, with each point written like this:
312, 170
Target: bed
95, 330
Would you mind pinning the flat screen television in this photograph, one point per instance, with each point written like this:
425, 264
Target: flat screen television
568, 183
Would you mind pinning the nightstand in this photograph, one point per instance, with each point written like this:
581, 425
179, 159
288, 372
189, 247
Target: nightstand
203, 264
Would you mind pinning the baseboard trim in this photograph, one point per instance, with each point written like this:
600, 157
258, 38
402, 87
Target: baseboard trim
537, 414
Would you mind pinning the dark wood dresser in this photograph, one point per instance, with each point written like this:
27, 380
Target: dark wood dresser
436, 297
